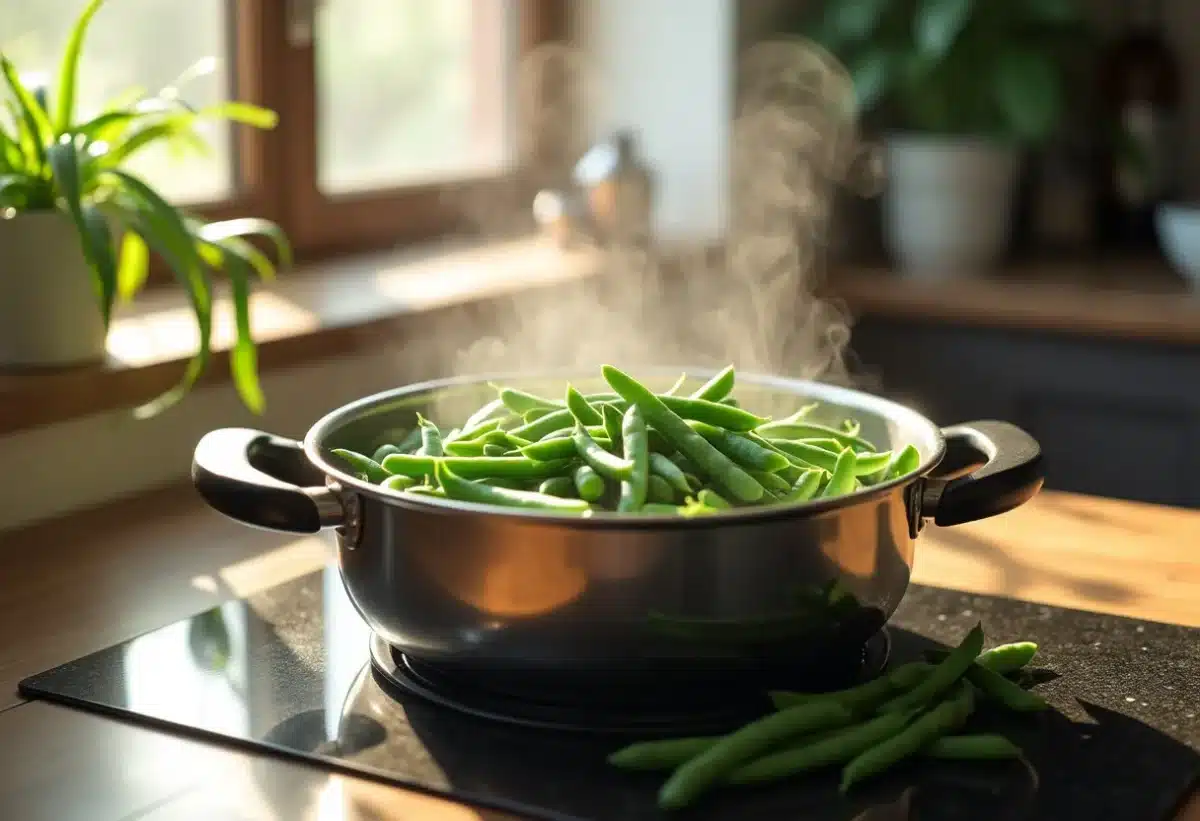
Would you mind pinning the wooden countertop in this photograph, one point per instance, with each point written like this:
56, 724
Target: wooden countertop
82, 583
1136, 300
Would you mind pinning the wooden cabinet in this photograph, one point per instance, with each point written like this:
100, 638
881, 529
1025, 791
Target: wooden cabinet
1115, 418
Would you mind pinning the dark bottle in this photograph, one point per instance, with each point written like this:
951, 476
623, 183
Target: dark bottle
1140, 99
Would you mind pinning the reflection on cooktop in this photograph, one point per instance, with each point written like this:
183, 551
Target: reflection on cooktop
287, 672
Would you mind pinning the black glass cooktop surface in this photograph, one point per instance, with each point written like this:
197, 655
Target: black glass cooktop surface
288, 672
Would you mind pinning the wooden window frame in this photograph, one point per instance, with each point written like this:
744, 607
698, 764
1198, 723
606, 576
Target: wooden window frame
276, 171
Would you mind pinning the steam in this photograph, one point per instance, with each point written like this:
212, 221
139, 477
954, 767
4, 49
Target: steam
754, 302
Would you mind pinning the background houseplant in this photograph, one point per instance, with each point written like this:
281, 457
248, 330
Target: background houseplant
77, 229
960, 87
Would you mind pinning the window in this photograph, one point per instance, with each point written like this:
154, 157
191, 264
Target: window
383, 104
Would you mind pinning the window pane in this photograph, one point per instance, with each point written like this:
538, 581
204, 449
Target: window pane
138, 44
410, 91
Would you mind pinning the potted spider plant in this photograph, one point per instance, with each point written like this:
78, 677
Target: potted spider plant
77, 228
960, 88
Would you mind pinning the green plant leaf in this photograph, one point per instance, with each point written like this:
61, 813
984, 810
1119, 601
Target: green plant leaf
64, 111
848, 21
939, 22
120, 152
33, 125
63, 159
243, 357
134, 265
163, 229
11, 156
872, 74
103, 262
238, 112
249, 227
1029, 91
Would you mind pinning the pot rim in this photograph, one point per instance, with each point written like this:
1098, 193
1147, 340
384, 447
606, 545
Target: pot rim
835, 394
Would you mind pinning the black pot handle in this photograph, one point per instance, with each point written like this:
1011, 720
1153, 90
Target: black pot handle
264, 481
1011, 476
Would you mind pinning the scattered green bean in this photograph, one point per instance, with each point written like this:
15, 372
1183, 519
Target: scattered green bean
943, 676
1008, 658
605, 463
981, 747
365, 468
996, 687
588, 483
717, 388
928, 727
714, 764
717, 465
836, 748
636, 450
461, 489
666, 754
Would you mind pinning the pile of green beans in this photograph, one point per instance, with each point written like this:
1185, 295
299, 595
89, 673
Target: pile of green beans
630, 451
917, 710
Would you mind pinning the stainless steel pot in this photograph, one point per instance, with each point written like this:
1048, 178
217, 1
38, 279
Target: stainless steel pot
455, 583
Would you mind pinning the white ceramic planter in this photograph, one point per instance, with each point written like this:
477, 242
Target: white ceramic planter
948, 205
49, 316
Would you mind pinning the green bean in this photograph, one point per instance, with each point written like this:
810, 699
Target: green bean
996, 687
702, 410
364, 468
714, 764
864, 697
492, 410
597, 432
513, 467
665, 754
535, 413
658, 442
927, 728
659, 509
384, 451
431, 438
811, 430
832, 445
559, 486
667, 470
836, 748
801, 414
731, 402
612, 423
905, 462
581, 409
741, 450
717, 388
1003, 658
772, 482
710, 498
588, 483
693, 482
659, 491
982, 747
636, 450
471, 434
551, 422
805, 456
399, 482
691, 508
678, 386
841, 481
805, 487
908, 676
717, 465
468, 448
520, 402
559, 448
943, 676
605, 463
456, 487
495, 450
425, 490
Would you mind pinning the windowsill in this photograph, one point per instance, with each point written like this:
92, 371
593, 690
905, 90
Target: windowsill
313, 312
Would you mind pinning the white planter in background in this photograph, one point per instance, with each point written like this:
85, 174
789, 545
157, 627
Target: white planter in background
948, 205
49, 316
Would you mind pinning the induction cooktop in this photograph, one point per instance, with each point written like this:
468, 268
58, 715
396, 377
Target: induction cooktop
293, 672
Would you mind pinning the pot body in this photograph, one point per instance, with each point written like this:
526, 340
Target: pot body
949, 202
460, 584
48, 311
